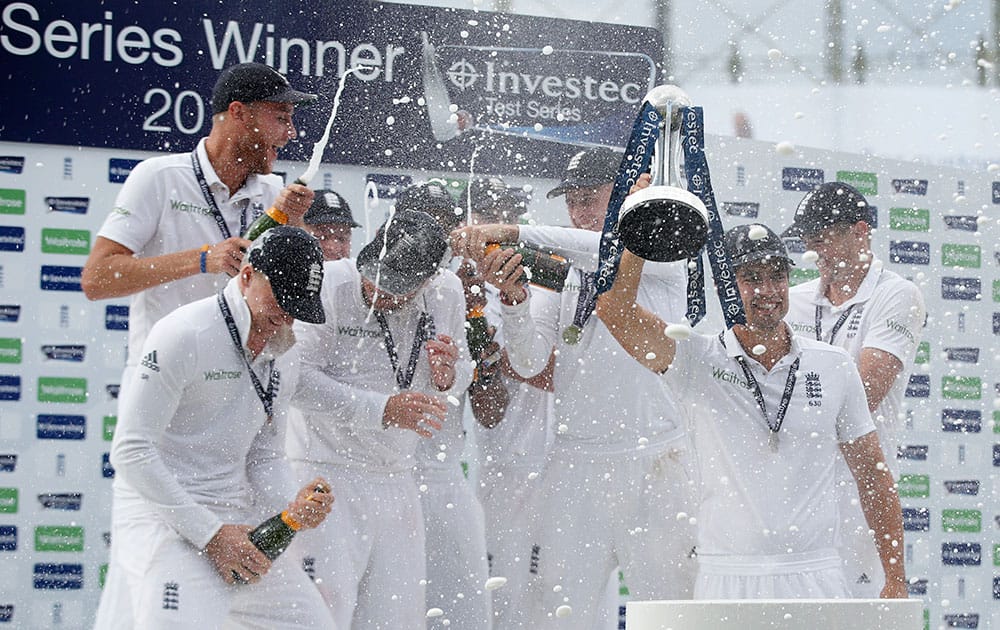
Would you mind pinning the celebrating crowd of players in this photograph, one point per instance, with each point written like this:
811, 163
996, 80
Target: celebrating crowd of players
747, 464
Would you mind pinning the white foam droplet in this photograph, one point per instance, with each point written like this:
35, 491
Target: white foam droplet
442, 456
759, 349
538, 126
423, 487
883, 28
494, 583
678, 332
547, 50
785, 148
557, 588
643, 441
993, 168
799, 115
562, 428
774, 54
454, 401
434, 612
757, 232
863, 257
810, 256
682, 516
564, 611
534, 475
650, 356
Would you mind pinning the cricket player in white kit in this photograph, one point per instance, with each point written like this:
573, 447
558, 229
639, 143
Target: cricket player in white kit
874, 314
768, 413
375, 380
199, 456
616, 475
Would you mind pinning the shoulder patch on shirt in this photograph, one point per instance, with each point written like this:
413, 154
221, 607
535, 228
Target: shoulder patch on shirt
149, 361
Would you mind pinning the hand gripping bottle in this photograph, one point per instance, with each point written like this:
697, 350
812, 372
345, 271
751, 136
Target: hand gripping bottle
274, 535
271, 217
544, 269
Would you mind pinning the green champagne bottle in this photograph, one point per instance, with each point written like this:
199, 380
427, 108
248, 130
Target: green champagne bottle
274, 535
477, 333
545, 269
271, 218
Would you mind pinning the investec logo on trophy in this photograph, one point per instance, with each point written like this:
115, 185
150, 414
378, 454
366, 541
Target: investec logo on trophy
566, 95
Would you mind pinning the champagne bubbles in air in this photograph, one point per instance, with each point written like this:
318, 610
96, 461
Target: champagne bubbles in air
757, 232
774, 54
547, 50
564, 611
434, 612
784, 148
759, 349
678, 332
810, 256
494, 583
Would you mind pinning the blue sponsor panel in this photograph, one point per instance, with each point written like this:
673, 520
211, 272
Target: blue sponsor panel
119, 169
116, 317
60, 278
527, 108
996, 587
8, 462
72, 205
746, 209
996, 192
918, 386
12, 238
916, 519
996, 457
916, 587
72, 353
57, 427
67, 501
107, 470
969, 289
996, 323
10, 387
961, 420
58, 576
801, 179
6, 610
910, 252
910, 186
10, 313
12, 164
113, 390
8, 538
968, 487
962, 355
961, 620
961, 223
912, 452
964, 554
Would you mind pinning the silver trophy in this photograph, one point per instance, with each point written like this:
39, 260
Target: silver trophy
665, 222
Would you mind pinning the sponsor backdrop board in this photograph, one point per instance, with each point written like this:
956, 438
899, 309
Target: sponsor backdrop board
61, 356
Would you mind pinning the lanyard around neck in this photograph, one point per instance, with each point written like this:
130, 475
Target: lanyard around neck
836, 326
266, 396
786, 396
424, 332
199, 174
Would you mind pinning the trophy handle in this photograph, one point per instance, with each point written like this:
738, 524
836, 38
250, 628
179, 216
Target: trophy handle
665, 222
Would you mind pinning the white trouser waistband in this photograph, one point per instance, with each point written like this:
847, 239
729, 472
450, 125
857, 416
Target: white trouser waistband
800, 562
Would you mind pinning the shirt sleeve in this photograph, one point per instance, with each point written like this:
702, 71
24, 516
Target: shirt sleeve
450, 321
896, 321
853, 419
148, 404
530, 331
134, 219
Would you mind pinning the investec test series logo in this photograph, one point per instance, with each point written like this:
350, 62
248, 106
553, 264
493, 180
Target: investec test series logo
119, 169
72, 205
801, 179
536, 91
48, 576
59, 278
13, 164
11, 238
910, 252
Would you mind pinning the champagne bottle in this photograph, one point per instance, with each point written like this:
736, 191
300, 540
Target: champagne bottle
477, 333
271, 218
274, 535
545, 269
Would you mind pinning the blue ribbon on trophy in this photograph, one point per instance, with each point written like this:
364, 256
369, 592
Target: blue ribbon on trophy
666, 222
